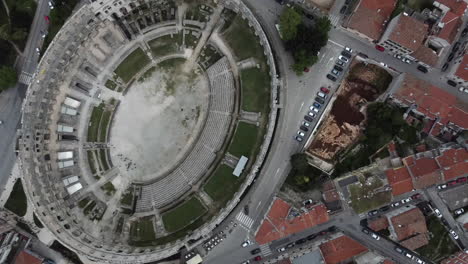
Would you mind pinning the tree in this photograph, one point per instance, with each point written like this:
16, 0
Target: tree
289, 20
9, 34
303, 59
8, 77
299, 162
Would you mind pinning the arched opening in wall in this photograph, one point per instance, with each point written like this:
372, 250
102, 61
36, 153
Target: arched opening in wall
67, 226
124, 11
133, 8
90, 71
141, 23
115, 16
81, 87
90, 21
142, 5
148, 20
99, 15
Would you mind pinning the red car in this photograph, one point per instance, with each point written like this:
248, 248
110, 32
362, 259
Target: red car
379, 48
306, 69
416, 196
258, 258
325, 90
459, 180
452, 183
47, 19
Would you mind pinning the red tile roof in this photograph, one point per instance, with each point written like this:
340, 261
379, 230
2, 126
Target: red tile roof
400, 180
409, 32
387, 261
458, 258
341, 249
451, 24
457, 7
277, 224
24, 257
424, 171
378, 224
426, 55
371, 16
462, 70
416, 241
453, 163
409, 224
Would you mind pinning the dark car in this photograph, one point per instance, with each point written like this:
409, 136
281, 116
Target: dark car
338, 68
290, 245
301, 241
365, 231
258, 258
255, 251
309, 16
340, 63
451, 83
460, 180
444, 68
343, 9
363, 55
310, 237
422, 68
452, 183
317, 105
331, 77
303, 128
372, 213
456, 46
308, 118
319, 100
464, 32
416, 196
384, 208
450, 57
346, 54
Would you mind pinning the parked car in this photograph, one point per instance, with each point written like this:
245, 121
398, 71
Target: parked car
312, 114
379, 48
372, 213
375, 236
306, 69
452, 183
463, 89
407, 200
340, 63
319, 100
281, 249
444, 68
459, 211
419, 261
437, 212
322, 95
416, 196
365, 231
346, 54
442, 186
246, 243
343, 59
331, 77
384, 208
301, 241
255, 251
306, 124
300, 133
456, 46
338, 68
422, 69
246, 262
451, 83
258, 258
343, 9
395, 204
314, 109
317, 105
454, 235
399, 250
310, 237
47, 19
335, 72
408, 255
308, 118
324, 90
303, 128
406, 60
464, 32
450, 57
290, 245
299, 138
398, 56
461, 180
347, 48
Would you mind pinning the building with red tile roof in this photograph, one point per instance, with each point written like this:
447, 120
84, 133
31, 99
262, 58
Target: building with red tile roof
410, 228
370, 18
456, 6
278, 222
424, 171
400, 180
458, 258
404, 34
461, 74
426, 56
341, 249
453, 163
27, 257
378, 224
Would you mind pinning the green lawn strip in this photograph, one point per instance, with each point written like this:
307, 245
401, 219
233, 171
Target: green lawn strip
102, 157
110, 84
127, 197
94, 120
17, 202
222, 185
165, 45
105, 118
91, 161
183, 215
83, 202
89, 207
255, 90
440, 244
191, 40
131, 65
108, 188
364, 199
245, 140
142, 230
242, 40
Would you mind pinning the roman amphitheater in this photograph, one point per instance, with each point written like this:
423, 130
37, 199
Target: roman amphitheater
145, 123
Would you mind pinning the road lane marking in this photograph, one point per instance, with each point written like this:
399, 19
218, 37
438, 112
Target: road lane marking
336, 43
258, 205
300, 109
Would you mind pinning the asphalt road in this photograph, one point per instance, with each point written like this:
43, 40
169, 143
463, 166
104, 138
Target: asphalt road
11, 99
296, 97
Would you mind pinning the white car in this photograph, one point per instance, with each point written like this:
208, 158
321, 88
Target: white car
442, 186
1, 122
348, 49
300, 133
407, 200
246, 243
406, 60
51, 5
419, 261
374, 236
314, 109
312, 114
322, 95
306, 124
343, 59
408, 255
395, 204
437, 212
459, 211
455, 236
463, 89
281, 249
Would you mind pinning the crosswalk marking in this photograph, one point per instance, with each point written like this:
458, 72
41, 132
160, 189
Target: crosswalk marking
265, 250
245, 220
335, 20
25, 78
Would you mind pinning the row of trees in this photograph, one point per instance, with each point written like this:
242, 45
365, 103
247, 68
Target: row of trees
303, 40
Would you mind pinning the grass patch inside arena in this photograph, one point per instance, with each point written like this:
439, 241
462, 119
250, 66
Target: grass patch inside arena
183, 215
94, 123
131, 65
17, 202
255, 90
142, 230
244, 141
222, 185
103, 125
165, 45
111, 85
240, 33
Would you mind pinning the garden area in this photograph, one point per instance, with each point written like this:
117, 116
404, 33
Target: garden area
367, 194
440, 244
142, 230
132, 64
255, 94
182, 215
99, 123
165, 45
302, 177
17, 202
246, 139
108, 188
222, 185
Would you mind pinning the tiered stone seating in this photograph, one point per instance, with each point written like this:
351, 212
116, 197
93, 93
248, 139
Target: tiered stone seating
215, 130
221, 86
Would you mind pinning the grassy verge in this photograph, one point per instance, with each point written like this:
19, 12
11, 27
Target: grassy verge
142, 230
102, 158
17, 202
95, 119
365, 197
165, 45
110, 84
243, 41
191, 40
91, 161
222, 185
131, 65
89, 207
83, 202
108, 188
255, 90
183, 215
440, 244
245, 140
105, 118
127, 197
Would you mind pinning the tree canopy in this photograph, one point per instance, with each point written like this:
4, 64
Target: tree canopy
8, 77
302, 176
289, 20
